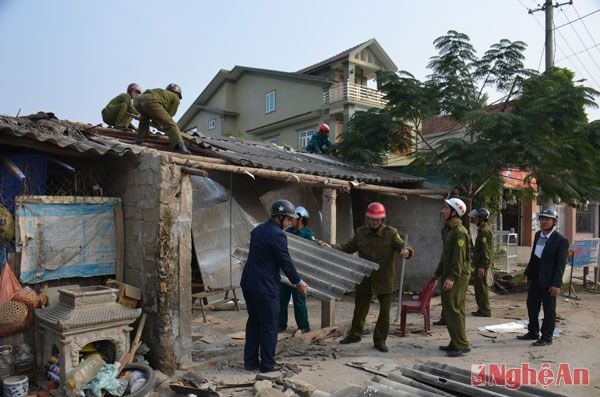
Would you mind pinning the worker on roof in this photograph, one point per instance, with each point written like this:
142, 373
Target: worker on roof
120, 112
319, 143
159, 106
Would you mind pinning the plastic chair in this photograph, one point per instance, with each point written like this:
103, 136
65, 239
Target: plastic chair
419, 306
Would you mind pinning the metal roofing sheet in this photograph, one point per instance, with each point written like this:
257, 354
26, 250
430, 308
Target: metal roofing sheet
328, 272
273, 157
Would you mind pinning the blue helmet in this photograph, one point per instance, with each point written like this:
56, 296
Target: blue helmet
302, 212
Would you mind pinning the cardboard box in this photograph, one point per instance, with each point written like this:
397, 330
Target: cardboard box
128, 296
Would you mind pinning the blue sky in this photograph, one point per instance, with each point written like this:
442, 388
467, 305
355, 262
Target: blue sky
71, 56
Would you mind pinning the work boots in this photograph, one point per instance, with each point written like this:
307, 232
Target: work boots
181, 148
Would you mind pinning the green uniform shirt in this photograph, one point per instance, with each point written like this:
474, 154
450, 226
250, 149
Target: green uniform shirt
455, 260
304, 232
319, 143
482, 252
123, 98
167, 99
378, 246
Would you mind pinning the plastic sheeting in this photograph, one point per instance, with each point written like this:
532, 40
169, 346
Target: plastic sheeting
66, 240
211, 232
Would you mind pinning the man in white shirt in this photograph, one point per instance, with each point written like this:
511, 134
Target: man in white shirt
544, 273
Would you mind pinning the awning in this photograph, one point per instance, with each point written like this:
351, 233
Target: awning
517, 180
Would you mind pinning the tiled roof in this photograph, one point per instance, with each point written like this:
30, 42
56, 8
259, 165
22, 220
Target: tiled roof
97, 141
273, 157
335, 58
44, 128
448, 124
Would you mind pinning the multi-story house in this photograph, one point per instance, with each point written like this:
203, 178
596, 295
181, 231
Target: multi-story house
287, 107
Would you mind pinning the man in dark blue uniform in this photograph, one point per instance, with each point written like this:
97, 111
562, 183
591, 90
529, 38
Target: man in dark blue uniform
268, 256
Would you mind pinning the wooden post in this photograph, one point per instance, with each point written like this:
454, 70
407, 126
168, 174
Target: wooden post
328, 313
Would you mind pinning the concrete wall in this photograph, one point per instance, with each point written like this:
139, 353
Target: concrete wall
419, 217
157, 212
246, 96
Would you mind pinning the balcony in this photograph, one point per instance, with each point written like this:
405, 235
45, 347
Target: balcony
354, 93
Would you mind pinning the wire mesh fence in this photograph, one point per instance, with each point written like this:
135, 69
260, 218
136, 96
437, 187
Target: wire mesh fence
47, 176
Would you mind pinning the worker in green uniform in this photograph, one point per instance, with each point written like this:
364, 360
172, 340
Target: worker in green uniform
120, 112
319, 142
445, 230
455, 270
378, 243
159, 106
482, 261
286, 291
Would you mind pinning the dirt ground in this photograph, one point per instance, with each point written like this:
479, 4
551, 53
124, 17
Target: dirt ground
218, 345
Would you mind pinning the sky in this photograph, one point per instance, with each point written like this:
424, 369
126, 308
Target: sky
70, 57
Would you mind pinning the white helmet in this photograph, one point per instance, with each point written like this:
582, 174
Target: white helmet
457, 205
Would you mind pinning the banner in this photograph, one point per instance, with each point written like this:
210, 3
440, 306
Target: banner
66, 240
585, 252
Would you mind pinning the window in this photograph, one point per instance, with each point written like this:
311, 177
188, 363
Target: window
270, 101
304, 135
583, 221
271, 139
212, 124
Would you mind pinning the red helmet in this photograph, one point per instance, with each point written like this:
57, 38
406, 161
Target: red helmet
134, 87
324, 128
376, 211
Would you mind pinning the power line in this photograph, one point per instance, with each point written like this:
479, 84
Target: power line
581, 40
575, 20
578, 59
579, 52
586, 28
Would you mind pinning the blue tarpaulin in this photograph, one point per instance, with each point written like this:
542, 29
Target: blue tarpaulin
67, 240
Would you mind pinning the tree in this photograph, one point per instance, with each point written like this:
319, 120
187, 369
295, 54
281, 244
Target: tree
535, 129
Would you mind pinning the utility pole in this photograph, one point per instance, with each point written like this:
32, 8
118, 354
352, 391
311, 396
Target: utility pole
548, 8
549, 34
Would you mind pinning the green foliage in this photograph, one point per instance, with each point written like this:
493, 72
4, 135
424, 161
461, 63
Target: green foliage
543, 129
371, 135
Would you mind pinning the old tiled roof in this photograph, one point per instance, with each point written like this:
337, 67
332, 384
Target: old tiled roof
273, 157
43, 128
44, 132
448, 124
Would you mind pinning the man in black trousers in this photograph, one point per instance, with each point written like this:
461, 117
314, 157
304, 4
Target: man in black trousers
544, 273
260, 281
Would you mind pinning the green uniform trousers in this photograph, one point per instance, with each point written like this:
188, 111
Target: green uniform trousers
482, 293
151, 109
117, 116
362, 302
453, 312
300, 309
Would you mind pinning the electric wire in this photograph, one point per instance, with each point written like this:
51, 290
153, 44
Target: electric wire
585, 26
581, 40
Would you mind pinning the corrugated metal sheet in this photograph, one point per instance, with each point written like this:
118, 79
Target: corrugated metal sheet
64, 135
329, 273
273, 157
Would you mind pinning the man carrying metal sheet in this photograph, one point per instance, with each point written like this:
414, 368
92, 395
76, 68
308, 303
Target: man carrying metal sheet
268, 255
378, 243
